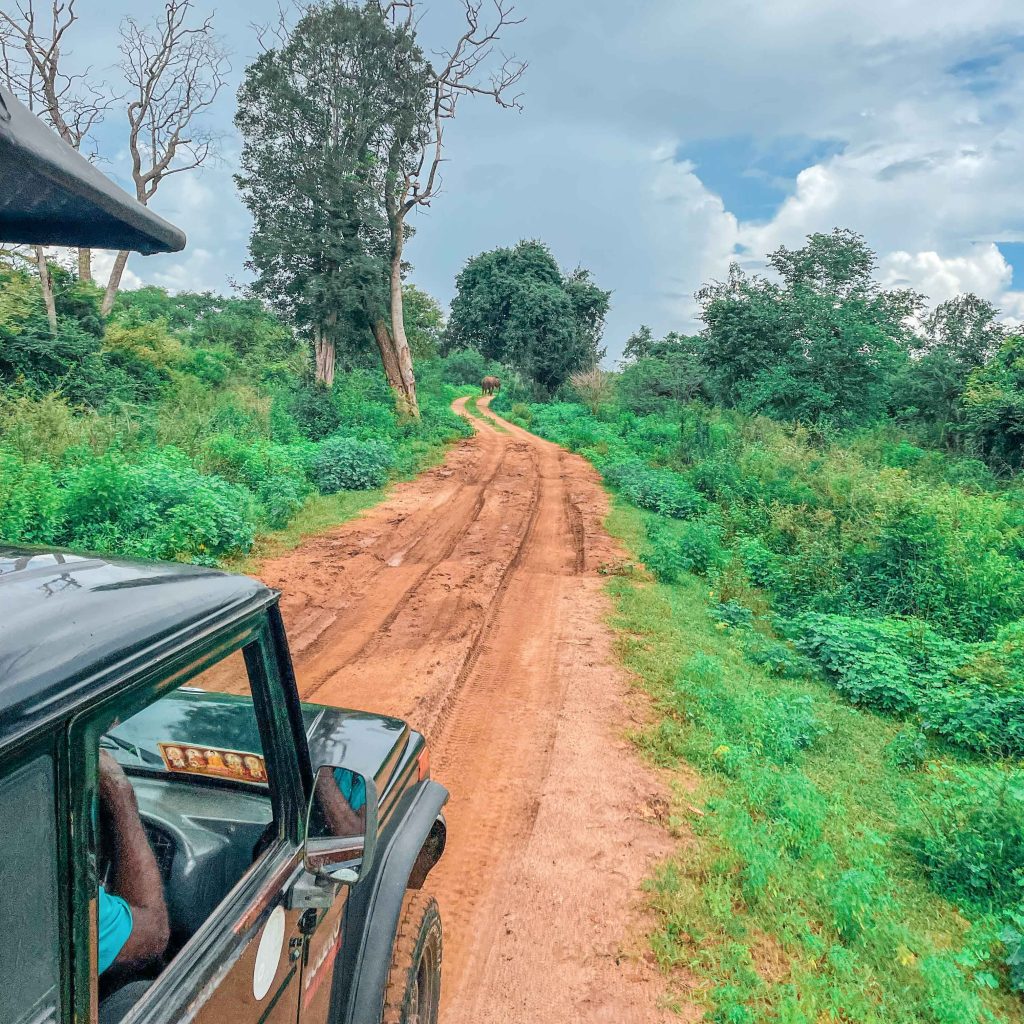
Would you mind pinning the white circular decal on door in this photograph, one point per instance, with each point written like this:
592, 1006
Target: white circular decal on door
268, 955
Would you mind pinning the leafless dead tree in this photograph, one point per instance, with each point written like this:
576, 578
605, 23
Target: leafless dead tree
32, 54
174, 70
473, 66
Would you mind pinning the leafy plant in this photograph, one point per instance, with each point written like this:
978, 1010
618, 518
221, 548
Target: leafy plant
970, 839
345, 464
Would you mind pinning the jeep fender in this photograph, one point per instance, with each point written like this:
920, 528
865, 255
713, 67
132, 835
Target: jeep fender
375, 904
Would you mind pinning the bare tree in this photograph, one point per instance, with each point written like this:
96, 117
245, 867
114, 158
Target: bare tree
174, 72
32, 45
471, 67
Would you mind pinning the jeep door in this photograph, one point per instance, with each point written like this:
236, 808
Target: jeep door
239, 960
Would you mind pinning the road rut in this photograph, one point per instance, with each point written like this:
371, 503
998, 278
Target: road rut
470, 603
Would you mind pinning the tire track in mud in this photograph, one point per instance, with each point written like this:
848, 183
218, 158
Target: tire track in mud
469, 603
446, 551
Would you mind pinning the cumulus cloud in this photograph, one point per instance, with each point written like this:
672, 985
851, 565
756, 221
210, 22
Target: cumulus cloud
920, 100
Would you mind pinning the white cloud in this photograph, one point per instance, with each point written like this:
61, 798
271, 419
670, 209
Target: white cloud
928, 169
983, 271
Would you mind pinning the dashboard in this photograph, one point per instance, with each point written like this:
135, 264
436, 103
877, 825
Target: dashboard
204, 837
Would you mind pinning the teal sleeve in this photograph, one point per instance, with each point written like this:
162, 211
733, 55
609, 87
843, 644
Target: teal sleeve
115, 925
352, 786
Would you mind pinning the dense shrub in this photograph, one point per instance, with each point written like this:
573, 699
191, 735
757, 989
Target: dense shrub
971, 836
465, 366
659, 491
864, 660
30, 505
314, 409
345, 464
280, 497
159, 507
673, 550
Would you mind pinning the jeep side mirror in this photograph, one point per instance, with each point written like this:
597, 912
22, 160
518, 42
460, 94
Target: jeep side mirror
341, 825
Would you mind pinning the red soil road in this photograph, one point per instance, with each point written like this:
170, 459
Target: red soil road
470, 604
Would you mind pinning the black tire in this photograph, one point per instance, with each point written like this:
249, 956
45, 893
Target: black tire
414, 981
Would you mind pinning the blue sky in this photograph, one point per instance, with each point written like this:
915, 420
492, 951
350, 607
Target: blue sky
661, 139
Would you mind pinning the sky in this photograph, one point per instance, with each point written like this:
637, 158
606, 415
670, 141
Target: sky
661, 139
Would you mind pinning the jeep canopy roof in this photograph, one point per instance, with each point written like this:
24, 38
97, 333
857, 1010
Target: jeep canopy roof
67, 621
52, 195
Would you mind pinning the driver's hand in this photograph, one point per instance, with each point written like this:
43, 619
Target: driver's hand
114, 783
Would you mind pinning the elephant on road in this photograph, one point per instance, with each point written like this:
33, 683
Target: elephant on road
490, 385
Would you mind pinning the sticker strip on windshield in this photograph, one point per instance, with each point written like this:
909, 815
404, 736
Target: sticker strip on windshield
240, 765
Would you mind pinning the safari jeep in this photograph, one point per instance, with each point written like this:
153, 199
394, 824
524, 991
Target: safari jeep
291, 840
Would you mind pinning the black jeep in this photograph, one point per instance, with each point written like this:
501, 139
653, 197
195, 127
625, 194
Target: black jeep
291, 839
182, 840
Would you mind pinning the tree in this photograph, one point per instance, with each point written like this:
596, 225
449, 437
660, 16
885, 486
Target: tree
993, 408
413, 161
319, 115
516, 307
823, 344
31, 64
595, 387
174, 70
424, 322
661, 373
957, 338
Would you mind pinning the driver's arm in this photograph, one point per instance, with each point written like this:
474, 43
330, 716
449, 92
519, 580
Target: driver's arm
135, 875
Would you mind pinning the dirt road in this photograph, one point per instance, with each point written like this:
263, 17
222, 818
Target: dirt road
470, 604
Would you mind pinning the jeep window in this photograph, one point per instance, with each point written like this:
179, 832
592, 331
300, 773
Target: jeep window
30, 961
195, 760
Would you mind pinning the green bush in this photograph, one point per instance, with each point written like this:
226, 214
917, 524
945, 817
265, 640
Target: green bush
31, 510
971, 836
280, 497
465, 366
345, 464
690, 547
313, 408
907, 749
878, 663
656, 490
159, 507
1012, 937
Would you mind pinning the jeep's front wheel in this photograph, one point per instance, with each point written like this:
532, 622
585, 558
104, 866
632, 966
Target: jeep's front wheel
414, 981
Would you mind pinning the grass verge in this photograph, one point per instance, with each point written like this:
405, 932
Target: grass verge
484, 415
800, 902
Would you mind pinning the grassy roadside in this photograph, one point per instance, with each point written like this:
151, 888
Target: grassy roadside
322, 512
484, 415
799, 902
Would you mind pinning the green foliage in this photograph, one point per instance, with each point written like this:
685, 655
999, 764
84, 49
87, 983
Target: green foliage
345, 464
466, 366
424, 323
800, 898
970, 839
993, 417
656, 490
322, 141
516, 307
690, 547
907, 749
30, 507
159, 507
1012, 936
182, 427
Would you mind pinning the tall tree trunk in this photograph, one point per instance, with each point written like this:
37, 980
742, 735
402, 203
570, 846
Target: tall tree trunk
47, 286
388, 357
406, 377
114, 282
323, 350
85, 264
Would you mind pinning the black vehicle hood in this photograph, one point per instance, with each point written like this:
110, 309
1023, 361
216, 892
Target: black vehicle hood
365, 743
